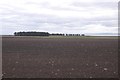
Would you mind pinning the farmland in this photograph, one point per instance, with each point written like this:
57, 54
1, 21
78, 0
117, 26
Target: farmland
60, 57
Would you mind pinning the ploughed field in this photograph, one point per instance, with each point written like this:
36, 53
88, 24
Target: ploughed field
34, 57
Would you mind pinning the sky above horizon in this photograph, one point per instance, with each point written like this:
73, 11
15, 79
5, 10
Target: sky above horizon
59, 16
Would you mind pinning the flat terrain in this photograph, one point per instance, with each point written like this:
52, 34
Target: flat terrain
35, 57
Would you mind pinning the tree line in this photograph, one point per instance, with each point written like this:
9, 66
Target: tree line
31, 34
44, 34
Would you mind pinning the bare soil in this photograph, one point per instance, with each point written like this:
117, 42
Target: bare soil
30, 57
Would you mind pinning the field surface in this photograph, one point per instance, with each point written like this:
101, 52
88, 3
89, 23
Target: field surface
36, 57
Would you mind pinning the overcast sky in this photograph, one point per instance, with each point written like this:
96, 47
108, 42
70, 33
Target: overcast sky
59, 16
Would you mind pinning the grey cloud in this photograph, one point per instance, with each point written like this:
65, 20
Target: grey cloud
52, 7
16, 19
36, 20
112, 5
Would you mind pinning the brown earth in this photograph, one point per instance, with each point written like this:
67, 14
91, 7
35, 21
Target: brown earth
29, 57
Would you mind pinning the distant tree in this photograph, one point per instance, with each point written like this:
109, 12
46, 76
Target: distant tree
82, 34
15, 33
31, 34
76, 34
